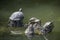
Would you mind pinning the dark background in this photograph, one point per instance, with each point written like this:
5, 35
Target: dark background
46, 10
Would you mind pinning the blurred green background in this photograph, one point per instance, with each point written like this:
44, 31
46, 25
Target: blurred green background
46, 10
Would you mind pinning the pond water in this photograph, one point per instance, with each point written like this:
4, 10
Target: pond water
45, 12
51, 36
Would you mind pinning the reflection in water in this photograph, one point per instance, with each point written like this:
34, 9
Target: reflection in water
51, 36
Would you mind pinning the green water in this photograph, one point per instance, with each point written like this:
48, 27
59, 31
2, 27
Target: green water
51, 36
44, 11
